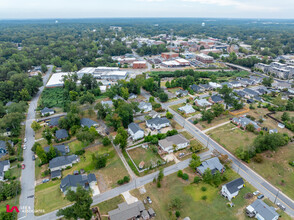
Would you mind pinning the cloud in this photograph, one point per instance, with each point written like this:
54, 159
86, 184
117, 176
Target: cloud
249, 6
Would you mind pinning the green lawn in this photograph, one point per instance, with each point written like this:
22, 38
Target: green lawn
52, 97
190, 195
216, 121
48, 197
147, 155
111, 204
187, 135
11, 202
76, 146
231, 137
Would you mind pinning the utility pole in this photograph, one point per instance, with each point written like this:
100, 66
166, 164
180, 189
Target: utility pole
276, 196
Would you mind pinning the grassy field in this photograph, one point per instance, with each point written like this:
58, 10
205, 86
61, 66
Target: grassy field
48, 197
52, 97
175, 125
105, 207
147, 155
190, 195
39, 170
231, 137
187, 135
76, 146
219, 120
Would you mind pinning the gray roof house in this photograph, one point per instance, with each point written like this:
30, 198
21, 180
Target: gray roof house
260, 210
145, 106
53, 122
105, 103
63, 149
182, 92
61, 162
188, 109
168, 143
157, 123
127, 211
216, 99
61, 134
3, 147
196, 88
87, 122
132, 96
213, 164
46, 110
244, 121
205, 86
251, 92
135, 131
231, 189
56, 174
202, 102
72, 182
4, 166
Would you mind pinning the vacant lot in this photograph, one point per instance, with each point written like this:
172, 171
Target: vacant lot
147, 155
231, 137
190, 195
48, 197
52, 97
216, 121
187, 135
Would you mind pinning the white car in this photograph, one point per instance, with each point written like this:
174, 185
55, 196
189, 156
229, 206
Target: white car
25, 140
24, 147
256, 193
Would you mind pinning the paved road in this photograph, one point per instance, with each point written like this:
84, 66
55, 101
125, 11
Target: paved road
28, 174
138, 182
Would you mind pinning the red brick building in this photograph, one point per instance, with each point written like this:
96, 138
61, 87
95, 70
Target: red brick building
169, 55
139, 65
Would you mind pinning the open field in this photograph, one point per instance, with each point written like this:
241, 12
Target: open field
216, 121
52, 97
187, 135
147, 155
278, 115
76, 146
190, 195
48, 197
175, 125
105, 207
231, 137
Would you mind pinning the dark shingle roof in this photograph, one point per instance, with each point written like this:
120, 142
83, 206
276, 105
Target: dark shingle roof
55, 173
158, 121
233, 185
87, 122
62, 161
216, 98
54, 121
61, 134
75, 180
46, 110
195, 88
134, 127
127, 211
63, 149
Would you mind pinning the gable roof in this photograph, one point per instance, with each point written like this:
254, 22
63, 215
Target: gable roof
75, 180
171, 140
88, 122
143, 105
126, 211
216, 98
196, 88
62, 161
157, 121
135, 127
203, 102
63, 149
46, 110
54, 121
61, 134
251, 92
213, 164
55, 173
234, 185
187, 108
263, 209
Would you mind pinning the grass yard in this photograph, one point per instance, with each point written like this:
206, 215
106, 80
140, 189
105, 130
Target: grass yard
39, 170
175, 125
76, 146
111, 204
276, 169
190, 195
48, 197
216, 121
11, 202
147, 155
231, 137
187, 135
278, 115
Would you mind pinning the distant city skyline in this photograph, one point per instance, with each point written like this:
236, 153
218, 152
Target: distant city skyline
20, 9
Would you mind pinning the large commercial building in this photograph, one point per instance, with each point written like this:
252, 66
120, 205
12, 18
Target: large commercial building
169, 55
279, 70
139, 65
56, 80
204, 58
109, 73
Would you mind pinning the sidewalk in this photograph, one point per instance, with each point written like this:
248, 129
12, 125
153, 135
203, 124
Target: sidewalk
219, 125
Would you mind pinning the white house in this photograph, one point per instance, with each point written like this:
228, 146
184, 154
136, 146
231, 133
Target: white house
4, 166
145, 106
214, 85
188, 109
157, 123
231, 189
135, 131
261, 211
47, 111
168, 144
62, 162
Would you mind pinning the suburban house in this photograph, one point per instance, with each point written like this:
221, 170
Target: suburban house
157, 123
202, 102
196, 88
216, 99
87, 122
107, 103
72, 181
132, 96
261, 211
62, 149
61, 162
3, 147
4, 166
47, 111
205, 87
231, 189
117, 97
135, 131
188, 109
250, 93
53, 122
213, 164
131, 211
61, 134
235, 84
172, 143
226, 84
244, 121
181, 93
145, 106
214, 85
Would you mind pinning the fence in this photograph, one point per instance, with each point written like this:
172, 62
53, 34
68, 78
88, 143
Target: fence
239, 112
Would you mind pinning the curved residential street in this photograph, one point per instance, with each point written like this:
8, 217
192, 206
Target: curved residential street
26, 205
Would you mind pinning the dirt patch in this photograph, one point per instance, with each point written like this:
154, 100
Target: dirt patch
101, 183
248, 196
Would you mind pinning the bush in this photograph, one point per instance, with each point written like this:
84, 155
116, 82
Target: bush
204, 198
126, 179
120, 182
258, 158
80, 152
185, 176
158, 184
106, 141
178, 214
180, 173
203, 188
197, 179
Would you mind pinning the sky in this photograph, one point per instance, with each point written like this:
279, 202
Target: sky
27, 9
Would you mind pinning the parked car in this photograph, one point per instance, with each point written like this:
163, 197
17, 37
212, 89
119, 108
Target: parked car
260, 196
24, 147
45, 180
256, 193
76, 172
33, 157
25, 140
23, 166
149, 200
281, 206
